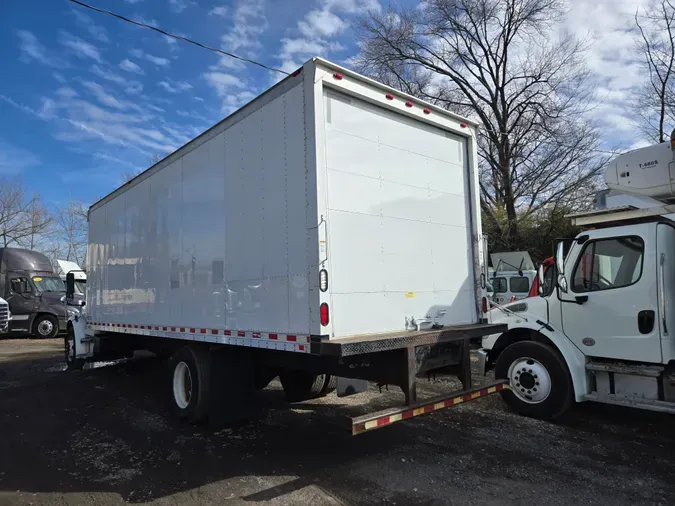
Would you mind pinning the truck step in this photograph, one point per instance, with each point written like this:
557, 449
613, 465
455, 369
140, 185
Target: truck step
87, 339
651, 405
651, 371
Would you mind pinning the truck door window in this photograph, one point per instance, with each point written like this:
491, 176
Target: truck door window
608, 263
500, 285
20, 285
520, 284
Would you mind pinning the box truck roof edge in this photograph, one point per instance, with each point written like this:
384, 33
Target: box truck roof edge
213, 130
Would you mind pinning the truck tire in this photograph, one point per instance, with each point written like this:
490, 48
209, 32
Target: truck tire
329, 384
189, 383
73, 363
45, 326
301, 385
540, 382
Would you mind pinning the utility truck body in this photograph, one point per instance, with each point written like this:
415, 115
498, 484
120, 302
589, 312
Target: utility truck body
329, 228
602, 326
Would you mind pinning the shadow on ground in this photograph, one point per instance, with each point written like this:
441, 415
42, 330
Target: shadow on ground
104, 435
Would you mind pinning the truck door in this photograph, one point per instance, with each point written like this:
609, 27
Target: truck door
21, 301
617, 273
666, 289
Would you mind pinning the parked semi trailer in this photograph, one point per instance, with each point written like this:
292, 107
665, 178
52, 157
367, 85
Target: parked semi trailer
601, 327
327, 232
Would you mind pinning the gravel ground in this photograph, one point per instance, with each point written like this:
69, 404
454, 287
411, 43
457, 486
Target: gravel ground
103, 436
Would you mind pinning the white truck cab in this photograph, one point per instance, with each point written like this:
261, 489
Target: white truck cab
603, 326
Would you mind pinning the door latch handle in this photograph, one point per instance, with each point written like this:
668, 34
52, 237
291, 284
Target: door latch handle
646, 320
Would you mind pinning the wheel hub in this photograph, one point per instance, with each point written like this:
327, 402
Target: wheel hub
182, 385
45, 327
530, 380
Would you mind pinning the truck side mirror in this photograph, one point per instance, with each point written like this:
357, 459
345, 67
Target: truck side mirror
540, 277
70, 286
560, 267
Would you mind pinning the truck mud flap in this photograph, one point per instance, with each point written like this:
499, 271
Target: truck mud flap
372, 421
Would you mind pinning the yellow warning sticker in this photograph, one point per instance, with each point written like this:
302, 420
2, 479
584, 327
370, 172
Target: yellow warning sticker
37, 279
410, 295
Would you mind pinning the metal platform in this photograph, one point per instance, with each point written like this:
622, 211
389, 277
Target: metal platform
373, 343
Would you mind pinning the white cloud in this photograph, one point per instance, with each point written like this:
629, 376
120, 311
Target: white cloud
96, 31
318, 30
66, 92
174, 86
133, 1
105, 98
232, 90
79, 47
130, 66
59, 77
322, 23
250, 22
14, 160
130, 86
157, 60
198, 99
220, 10
179, 6
32, 50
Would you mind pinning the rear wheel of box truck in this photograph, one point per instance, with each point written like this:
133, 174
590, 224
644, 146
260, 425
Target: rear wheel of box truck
189, 380
302, 385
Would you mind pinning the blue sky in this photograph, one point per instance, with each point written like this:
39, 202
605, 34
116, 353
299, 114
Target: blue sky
85, 98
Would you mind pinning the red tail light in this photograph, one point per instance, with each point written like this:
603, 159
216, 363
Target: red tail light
324, 314
485, 305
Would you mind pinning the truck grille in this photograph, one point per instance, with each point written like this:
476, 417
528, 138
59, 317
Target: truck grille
4, 314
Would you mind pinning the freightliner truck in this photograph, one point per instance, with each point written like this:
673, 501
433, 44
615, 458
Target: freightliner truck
602, 327
328, 233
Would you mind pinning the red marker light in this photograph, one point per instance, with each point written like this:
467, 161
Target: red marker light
324, 314
408, 104
297, 72
485, 305
427, 111
463, 125
337, 76
389, 96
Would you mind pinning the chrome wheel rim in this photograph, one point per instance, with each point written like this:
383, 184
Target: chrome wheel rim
530, 381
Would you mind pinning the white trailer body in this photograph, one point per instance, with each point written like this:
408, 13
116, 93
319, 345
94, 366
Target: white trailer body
326, 176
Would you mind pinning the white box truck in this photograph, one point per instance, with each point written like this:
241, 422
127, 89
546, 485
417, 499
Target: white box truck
328, 229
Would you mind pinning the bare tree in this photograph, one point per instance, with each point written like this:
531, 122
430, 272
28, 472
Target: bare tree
127, 176
22, 220
497, 61
654, 101
71, 232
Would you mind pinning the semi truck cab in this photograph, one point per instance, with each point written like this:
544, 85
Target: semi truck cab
33, 293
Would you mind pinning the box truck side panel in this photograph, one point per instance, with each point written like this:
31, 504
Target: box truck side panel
399, 219
215, 241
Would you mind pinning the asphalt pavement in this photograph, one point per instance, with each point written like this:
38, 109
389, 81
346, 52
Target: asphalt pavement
104, 436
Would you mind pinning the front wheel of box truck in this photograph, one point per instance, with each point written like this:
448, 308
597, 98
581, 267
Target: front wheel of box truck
540, 383
189, 382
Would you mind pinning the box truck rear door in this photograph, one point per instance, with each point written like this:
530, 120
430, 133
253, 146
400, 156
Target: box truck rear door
398, 219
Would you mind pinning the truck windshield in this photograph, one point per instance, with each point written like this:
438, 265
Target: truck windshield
79, 286
48, 284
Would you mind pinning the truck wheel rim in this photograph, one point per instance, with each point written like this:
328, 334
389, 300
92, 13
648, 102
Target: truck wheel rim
182, 385
70, 348
45, 327
530, 380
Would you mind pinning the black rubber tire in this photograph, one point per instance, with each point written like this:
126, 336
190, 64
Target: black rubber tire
42, 318
301, 385
562, 390
72, 363
198, 361
329, 384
